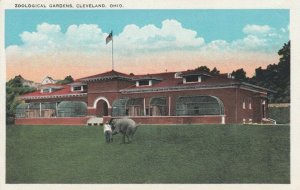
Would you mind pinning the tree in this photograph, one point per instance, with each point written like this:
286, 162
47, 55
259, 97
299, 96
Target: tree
203, 69
276, 76
240, 74
215, 71
68, 79
15, 88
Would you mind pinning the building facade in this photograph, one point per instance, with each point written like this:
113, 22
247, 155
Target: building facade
163, 98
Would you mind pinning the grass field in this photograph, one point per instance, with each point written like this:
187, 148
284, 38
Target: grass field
158, 154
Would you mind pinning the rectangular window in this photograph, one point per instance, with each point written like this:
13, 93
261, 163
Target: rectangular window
144, 82
193, 78
46, 90
244, 104
77, 88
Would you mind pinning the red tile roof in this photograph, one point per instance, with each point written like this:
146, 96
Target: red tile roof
177, 82
111, 73
167, 80
66, 90
194, 72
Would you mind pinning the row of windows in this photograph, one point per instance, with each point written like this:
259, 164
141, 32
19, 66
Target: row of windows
185, 106
73, 88
187, 79
52, 109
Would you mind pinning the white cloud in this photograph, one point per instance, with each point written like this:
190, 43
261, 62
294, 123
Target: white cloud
171, 46
170, 36
257, 29
84, 36
134, 40
90, 38
258, 38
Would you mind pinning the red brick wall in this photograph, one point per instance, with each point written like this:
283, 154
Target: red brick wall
52, 121
107, 89
176, 120
83, 99
232, 99
142, 120
91, 111
227, 96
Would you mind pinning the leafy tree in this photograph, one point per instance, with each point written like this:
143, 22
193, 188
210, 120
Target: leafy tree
215, 71
15, 88
240, 74
67, 80
276, 76
203, 69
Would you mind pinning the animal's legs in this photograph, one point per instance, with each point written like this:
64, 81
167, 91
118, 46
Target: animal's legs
128, 138
123, 139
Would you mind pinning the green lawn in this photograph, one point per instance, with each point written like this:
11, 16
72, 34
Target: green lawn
158, 154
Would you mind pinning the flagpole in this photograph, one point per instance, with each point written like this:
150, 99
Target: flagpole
112, 50
108, 39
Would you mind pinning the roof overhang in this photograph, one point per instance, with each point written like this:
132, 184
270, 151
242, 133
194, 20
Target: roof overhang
93, 79
51, 86
195, 74
257, 87
147, 78
52, 96
251, 88
77, 84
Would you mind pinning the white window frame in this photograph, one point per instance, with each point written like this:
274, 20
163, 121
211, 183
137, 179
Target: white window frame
50, 90
199, 80
137, 83
250, 104
73, 88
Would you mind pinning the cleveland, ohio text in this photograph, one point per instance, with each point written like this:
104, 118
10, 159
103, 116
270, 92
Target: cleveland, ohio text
79, 6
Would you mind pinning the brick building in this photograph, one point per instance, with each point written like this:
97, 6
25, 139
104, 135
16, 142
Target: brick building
162, 98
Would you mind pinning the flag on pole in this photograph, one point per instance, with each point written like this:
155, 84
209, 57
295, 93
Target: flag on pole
109, 37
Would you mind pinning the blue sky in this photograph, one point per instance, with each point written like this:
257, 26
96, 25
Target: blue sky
145, 41
210, 24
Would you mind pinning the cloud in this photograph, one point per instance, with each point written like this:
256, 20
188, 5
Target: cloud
82, 48
133, 40
256, 29
258, 38
90, 38
84, 37
151, 38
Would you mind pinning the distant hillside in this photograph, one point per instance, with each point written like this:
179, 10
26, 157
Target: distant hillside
28, 83
14, 88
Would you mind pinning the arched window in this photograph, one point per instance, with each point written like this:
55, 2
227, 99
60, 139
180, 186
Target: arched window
158, 106
135, 107
48, 109
199, 105
36, 109
119, 107
71, 109
21, 110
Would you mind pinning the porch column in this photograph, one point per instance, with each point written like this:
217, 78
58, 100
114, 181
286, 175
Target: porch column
169, 105
223, 119
144, 106
56, 111
109, 112
40, 109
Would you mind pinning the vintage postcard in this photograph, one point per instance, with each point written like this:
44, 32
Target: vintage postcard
153, 94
